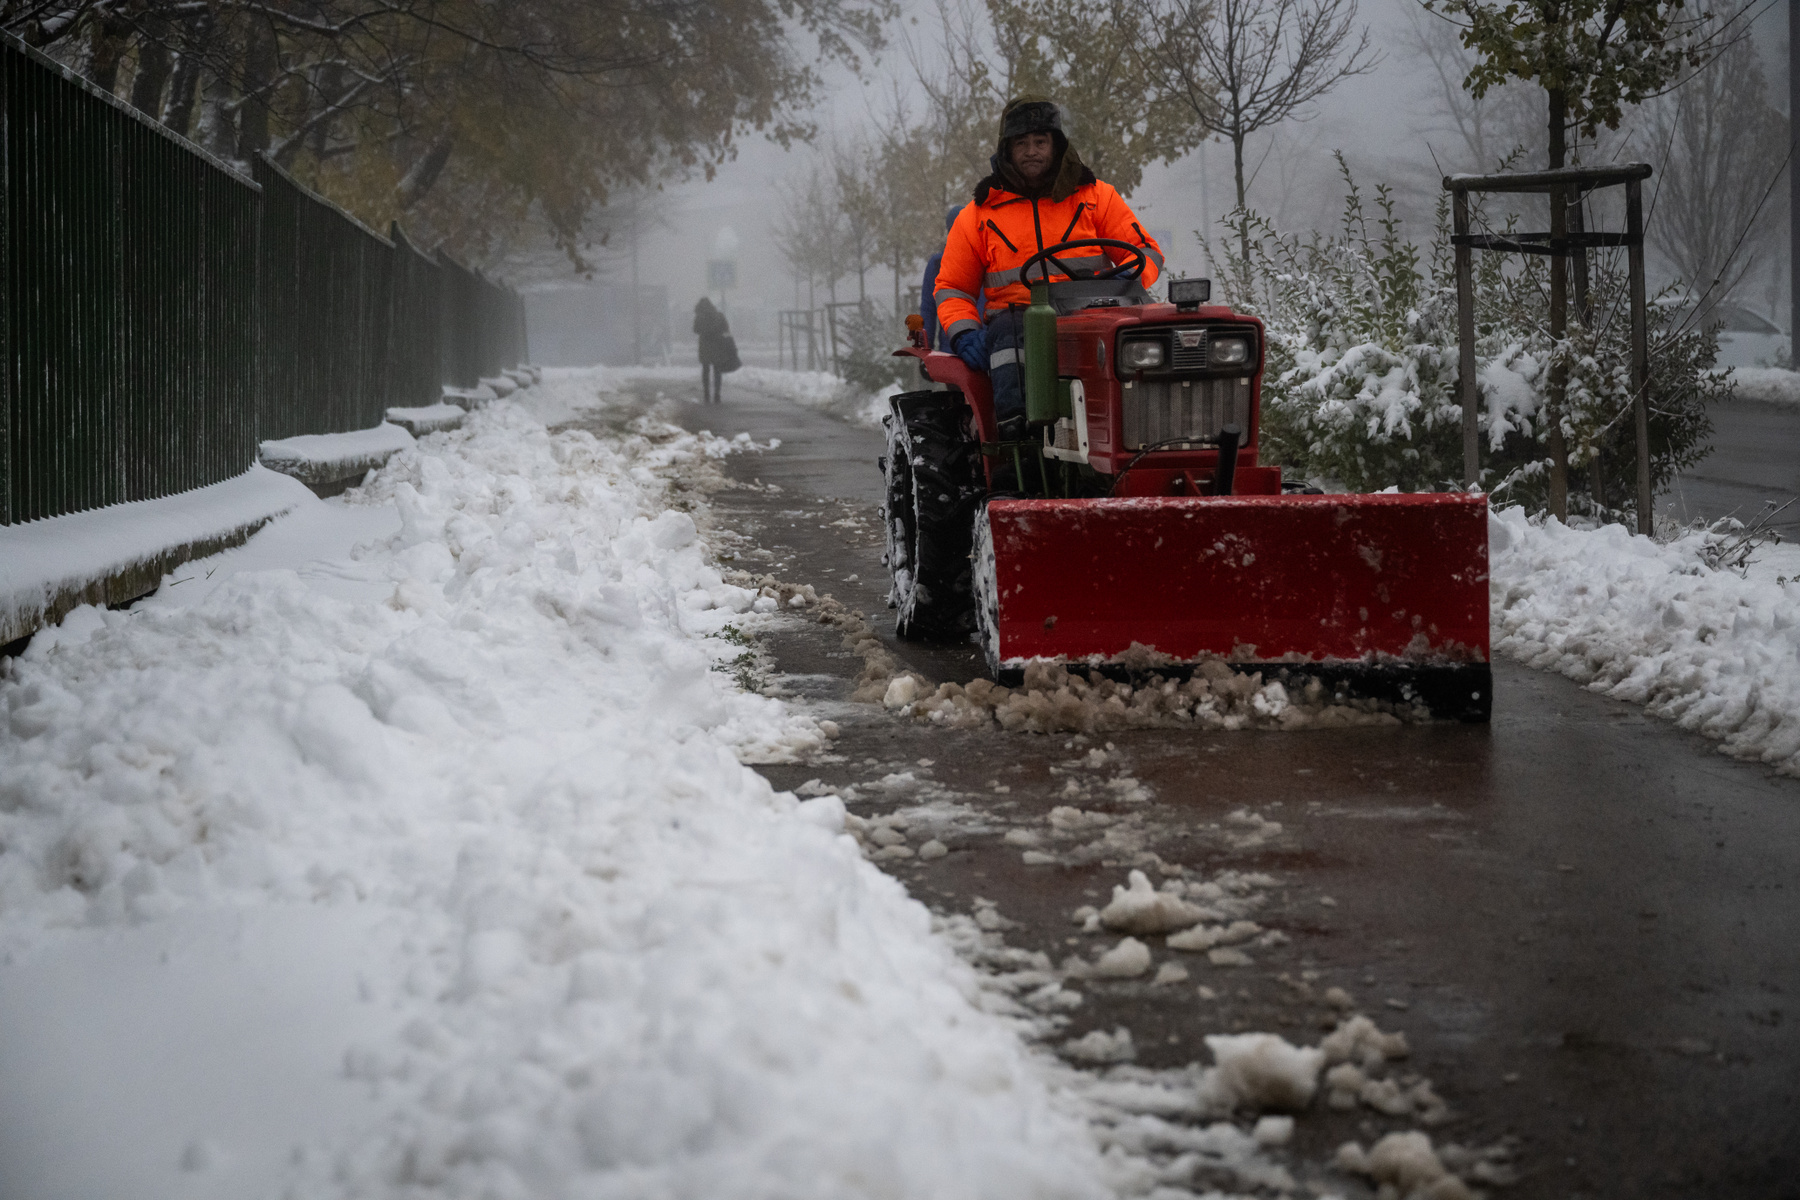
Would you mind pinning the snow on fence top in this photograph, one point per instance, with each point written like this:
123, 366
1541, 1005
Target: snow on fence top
49, 566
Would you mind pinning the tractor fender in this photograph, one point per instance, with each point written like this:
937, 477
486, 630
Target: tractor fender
951, 371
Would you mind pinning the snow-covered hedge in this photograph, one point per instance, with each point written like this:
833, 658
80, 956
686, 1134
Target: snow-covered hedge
1362, 373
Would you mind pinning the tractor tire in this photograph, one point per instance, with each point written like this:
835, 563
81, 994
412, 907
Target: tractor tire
933, 469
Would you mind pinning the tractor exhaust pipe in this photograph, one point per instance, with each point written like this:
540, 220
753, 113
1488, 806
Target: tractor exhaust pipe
1226, 475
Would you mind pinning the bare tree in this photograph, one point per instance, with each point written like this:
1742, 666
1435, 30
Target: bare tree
861, 202
1488, 128
1239, 66
1716, 204
963, 91
809, 232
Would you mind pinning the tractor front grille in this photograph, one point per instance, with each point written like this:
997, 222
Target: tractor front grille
1189, 349
1156, 410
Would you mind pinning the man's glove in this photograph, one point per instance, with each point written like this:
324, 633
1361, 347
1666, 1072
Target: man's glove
971, 346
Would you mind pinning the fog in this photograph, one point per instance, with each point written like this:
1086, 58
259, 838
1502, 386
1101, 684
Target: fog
1392, 125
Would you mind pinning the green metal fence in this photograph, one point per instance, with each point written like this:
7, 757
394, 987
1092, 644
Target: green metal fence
326, 297
160, 314
128, 263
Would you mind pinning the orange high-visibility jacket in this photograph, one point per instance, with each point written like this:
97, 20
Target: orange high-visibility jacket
999, 230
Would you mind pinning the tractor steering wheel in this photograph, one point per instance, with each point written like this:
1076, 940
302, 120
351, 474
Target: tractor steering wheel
1131, 268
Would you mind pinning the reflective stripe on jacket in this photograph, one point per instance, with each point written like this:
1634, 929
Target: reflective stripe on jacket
993, 236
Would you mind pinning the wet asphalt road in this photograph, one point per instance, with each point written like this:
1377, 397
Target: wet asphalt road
1755, 460
1586, 922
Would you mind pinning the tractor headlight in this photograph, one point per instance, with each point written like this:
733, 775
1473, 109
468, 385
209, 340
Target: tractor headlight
1140, 356
1228, 352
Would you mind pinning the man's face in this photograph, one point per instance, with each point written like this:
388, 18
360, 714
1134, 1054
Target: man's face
1031, 154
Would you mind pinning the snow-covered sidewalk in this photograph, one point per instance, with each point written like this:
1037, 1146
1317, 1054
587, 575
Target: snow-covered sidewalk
408, 851
1716, 651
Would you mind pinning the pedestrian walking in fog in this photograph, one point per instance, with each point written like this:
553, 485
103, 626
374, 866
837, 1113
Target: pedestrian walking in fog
718, 349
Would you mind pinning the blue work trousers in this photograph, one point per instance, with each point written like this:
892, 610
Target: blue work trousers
1005, 345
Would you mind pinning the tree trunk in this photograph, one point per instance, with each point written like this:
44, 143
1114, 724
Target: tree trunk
217, 131
1559, 320
259, 76
106, 49
153, 64
180, 114
1237, 165
329, 82
425, 172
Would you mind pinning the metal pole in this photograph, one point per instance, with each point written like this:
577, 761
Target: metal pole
1640, 354
8, 65
1793, 178
637, 301
1465, 342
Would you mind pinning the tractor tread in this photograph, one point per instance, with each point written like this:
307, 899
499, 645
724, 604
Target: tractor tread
933, 483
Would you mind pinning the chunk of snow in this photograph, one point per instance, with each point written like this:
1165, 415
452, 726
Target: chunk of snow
1273, 1131
1205, 937
1261, 1071
1406, 1161
1358, 1040
1171, 972
1099, 1046
1130, 957
1140, 908
901, 691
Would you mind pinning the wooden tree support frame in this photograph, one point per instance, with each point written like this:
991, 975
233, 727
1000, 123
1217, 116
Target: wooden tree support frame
1561, 242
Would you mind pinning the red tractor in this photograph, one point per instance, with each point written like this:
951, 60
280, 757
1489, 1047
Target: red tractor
1135, 532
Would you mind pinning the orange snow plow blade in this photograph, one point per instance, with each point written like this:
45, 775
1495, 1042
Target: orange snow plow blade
1380, 595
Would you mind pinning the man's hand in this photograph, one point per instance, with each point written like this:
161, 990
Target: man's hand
971, 346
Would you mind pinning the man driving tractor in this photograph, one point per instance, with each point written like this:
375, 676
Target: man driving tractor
1040, 194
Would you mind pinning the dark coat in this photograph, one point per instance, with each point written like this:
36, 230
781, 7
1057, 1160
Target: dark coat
714, 332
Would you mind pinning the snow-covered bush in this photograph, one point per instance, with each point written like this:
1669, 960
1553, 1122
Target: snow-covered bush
1361, 383
867, 338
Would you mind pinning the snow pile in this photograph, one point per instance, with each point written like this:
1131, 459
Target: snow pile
621, 965
1770, 385
41, 560
1713, 651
